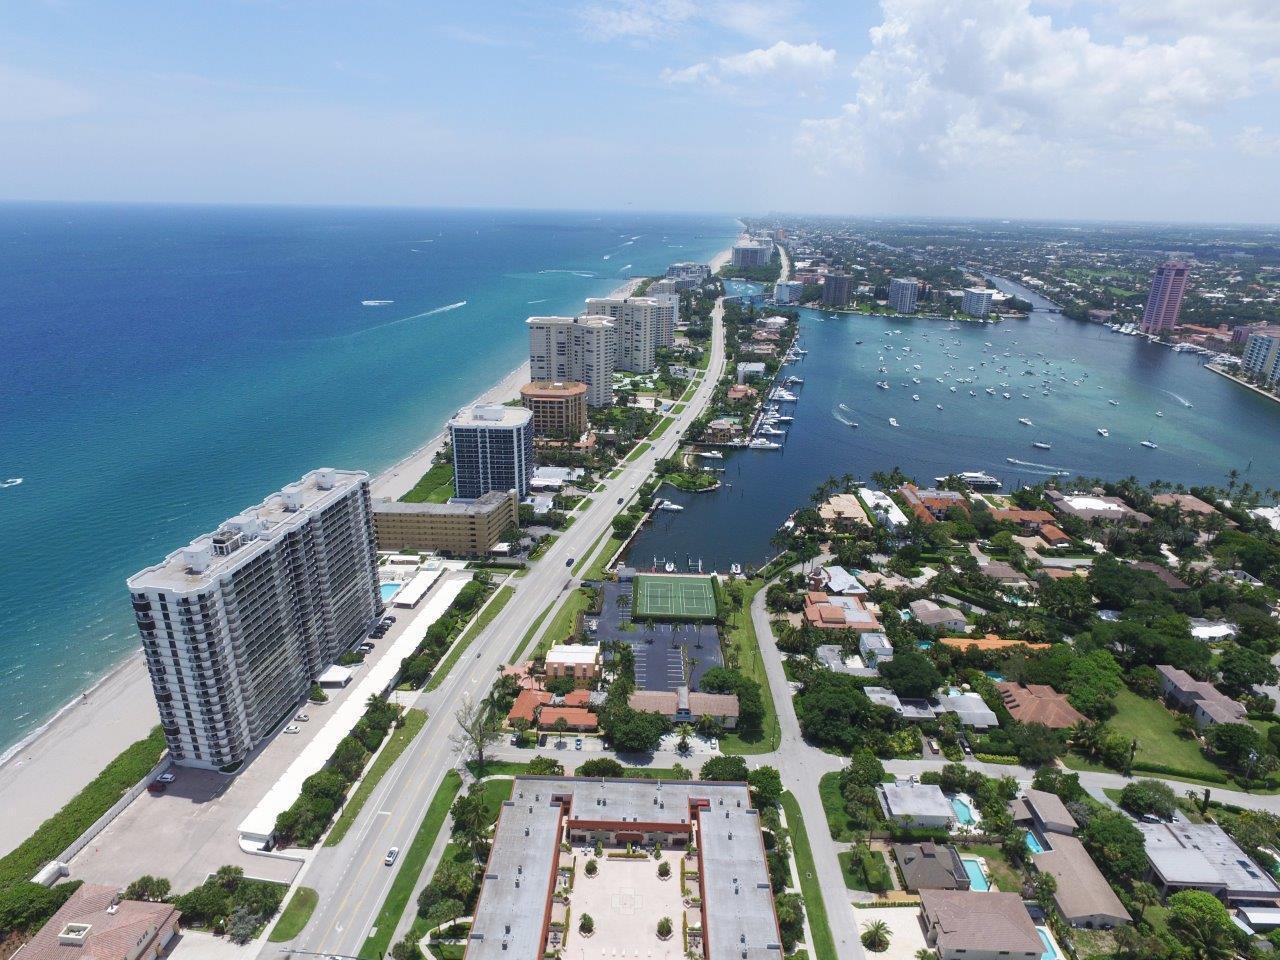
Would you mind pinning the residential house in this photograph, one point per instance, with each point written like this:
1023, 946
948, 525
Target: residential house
683, 705
970, 708
741, 391
937, 617
931, 504
1083, 895
1201, 699
1095, 505
967, 925
1163, 574
931, 866
875, 649
826, 612
837, 580
906, 709
990, 643
1039, 703
916, 804
1201, 856
844, 511
886, 512
95, 924
1043, 812
832, 656
1027, 519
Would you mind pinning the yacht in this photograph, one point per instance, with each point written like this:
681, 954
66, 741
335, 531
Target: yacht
668, 506
938, 405
761, 444
770, 431
893, 422
1114, 403
782, 395
1104, 432
1041, 445
1025, 422
1149, 445
712, 454
882, 384
974, 480
1007, 395
973, 393
915, 396
953, 389
1159, 413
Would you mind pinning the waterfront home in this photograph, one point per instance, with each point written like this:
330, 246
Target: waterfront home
95, 924
749, 369
722, 430
826, 612
966, 925
1095, 505
931, 504
837, 580
886, 512
931, 866
1201, 856
1205, 702
844, 512
915, 804
1043, 812
938, 617
1039, 703
1083, 895
1027, 519
1188, 505
740, 391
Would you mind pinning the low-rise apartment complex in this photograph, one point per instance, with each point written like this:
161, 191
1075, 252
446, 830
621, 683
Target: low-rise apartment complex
460, 528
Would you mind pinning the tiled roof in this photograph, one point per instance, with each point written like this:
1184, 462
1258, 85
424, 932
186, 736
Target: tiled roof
981, 922
990, 642
111, 936
1038, 703
1082, 889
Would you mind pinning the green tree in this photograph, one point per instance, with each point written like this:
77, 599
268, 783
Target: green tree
875, 936
1202, 925
147, 887
727, 768
601, 767
911, 674
1149, 797
766, 785
1243, 668
1115, 845
1239, 744
546, 766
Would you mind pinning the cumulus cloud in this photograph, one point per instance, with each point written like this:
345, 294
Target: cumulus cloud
1256, 142
793, 61
990, 82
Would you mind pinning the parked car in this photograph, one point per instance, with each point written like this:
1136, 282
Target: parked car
293, 728
302, 717
619, 500
577, 744
166, 778
155, 787
390, 858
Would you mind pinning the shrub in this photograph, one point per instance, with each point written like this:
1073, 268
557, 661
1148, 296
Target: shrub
1149, 796
592, 868
586, 925
664, 927
664, 869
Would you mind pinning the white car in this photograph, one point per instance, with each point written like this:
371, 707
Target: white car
302, 718
166, 778
293, 728
390, 858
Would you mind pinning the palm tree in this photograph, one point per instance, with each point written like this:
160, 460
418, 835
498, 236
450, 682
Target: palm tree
685, 731
924, 953
1144, 895
875, 936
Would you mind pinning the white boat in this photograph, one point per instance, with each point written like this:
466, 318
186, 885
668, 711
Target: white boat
853, 424
1025, 422
1007, 396
1149, 445
1114, 403
882, 384
712, 454
915, 396
938, 405
668, 506
669, 567
974, 480
991, 391
893, 422
769, 431
735, 569
973, 393
1041, 445
953, 389
781, 395
1104, 432
761, 444
1159, 413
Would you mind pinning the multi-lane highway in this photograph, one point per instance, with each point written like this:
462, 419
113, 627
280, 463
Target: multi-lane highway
351, 879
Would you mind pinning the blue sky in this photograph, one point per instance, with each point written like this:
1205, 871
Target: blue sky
1139, 109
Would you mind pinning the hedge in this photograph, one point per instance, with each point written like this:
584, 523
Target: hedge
1160, 768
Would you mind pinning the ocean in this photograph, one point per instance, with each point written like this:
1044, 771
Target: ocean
1209, 424
162, 367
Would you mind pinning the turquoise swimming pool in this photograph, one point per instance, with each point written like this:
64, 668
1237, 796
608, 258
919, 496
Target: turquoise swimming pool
388, 590
963, 811
1033, 842
977, 876
1050, 950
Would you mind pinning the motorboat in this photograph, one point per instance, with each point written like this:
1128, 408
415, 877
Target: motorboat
915, 396
1149, 445
1041, 445
668, 506
1025, 422
1114, 403
1104, 432
712, 454
761, 444
1159, 413
974, 480
893, 422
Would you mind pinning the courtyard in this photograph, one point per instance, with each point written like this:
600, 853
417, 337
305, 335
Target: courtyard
626, 899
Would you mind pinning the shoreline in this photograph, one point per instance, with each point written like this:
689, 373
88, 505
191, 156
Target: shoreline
1220, 371
45, 769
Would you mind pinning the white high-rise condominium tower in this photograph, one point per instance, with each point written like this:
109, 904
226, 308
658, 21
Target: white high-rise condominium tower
492, 450
583, 349
903, 292
237, 626
637, 321
668, 316
976, 301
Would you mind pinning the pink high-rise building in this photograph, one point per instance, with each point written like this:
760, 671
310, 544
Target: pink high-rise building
1165, 299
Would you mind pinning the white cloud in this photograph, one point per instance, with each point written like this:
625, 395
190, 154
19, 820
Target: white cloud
27, 96
643, 20
990, 83
799, 62
1255, 142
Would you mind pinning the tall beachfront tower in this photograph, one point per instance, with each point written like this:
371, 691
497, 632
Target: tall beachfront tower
1165, 299
492, 450
237, 626
581, 349
638, 321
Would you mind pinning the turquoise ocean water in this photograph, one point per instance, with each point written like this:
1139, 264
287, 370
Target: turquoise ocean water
163, 367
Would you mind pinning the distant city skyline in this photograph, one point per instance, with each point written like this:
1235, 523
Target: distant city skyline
1128, 111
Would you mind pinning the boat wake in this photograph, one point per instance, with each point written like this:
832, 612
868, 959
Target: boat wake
11, 482
375, 303
1045, 468
624, 269
543, 300
606, 256
1182, 400
843, 414
576, 273
395, 323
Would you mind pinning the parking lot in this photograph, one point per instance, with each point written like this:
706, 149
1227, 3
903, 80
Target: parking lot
668, 655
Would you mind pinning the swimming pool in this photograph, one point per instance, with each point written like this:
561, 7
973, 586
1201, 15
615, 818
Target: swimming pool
1033, 842
388, 589
964, 813
1050, 948
977, 876
995, 675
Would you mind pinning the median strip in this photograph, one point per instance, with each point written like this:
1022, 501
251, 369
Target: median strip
401, 737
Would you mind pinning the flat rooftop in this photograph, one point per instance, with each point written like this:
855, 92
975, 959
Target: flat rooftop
492, 415
1201, 854
247, 534
525, 856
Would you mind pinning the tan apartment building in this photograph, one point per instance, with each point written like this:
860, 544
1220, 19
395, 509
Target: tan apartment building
459, 529
559, 408
578, 662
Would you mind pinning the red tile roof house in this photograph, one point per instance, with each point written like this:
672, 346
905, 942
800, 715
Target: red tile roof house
576, 718
838, 613
95, 924
931, 505
1027, 519
1039, 703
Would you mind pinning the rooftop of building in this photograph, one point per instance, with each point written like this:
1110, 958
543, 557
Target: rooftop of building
553, 389
573, 653
485, 503
582, 319
512, 908
986, 922
1082, 890
911, 798
990, 642
1202, 855
930, 866
94, 924
1038, 703
491, 415
208, 557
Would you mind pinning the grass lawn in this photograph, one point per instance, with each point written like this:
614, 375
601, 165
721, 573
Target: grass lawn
638, 451
414, 720
447, 951
591, 550
833, 803
740, 633
824, 945
561, 625
595, 571
487, 614
850, 870
1153, 725
532, 632
1001, 871
661, 428
295, 916
411, 864
436, 486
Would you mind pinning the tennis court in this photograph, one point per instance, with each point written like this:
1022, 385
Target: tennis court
673, 598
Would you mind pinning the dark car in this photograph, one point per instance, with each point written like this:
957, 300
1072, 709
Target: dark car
619, 499
569, 562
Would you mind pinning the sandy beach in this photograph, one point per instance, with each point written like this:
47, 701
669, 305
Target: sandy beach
41, 773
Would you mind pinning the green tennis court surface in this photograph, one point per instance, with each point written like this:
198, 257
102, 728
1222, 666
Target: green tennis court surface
673, 598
